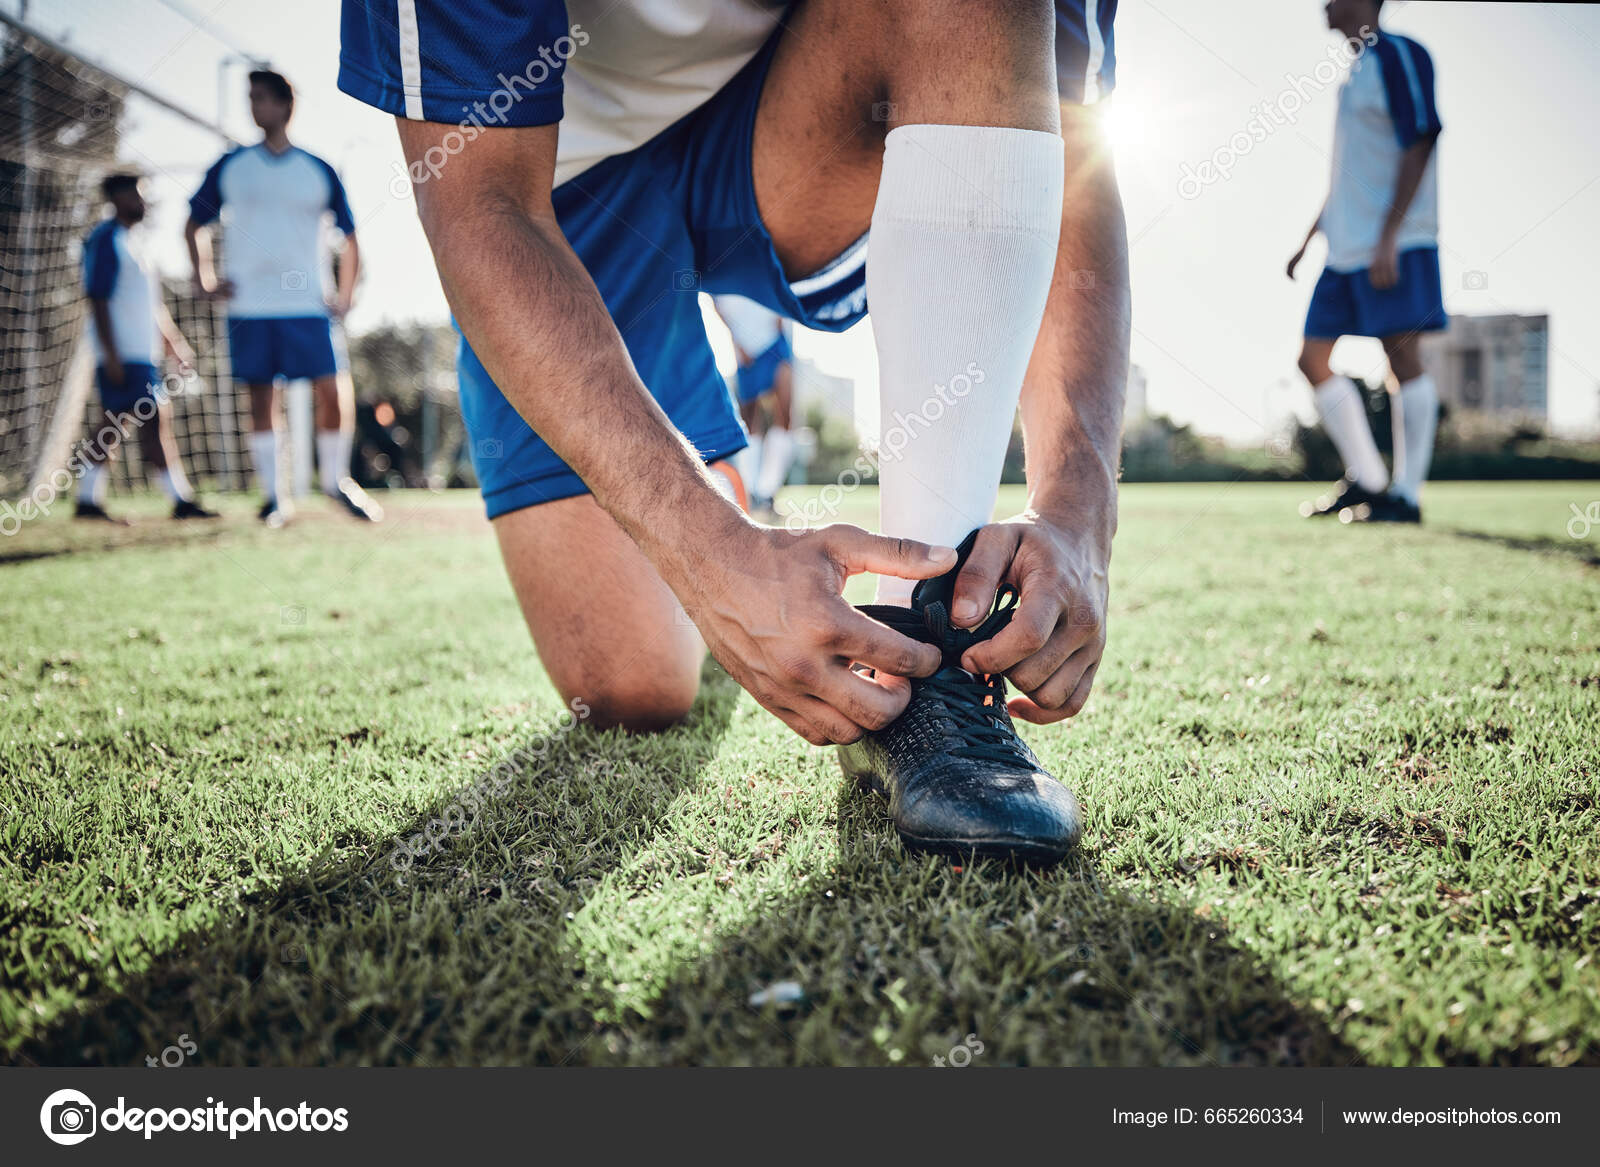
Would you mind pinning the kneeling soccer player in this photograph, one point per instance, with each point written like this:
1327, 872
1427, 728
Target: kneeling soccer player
782, 137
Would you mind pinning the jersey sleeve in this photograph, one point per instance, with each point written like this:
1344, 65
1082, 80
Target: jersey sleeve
1086, 60
476, 62
99, 263
205, 205
1408, 85
338, 203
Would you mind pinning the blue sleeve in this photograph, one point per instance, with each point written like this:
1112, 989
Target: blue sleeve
1408, 85
100, 263
1086, 59
205, 206
466, 62
337, 202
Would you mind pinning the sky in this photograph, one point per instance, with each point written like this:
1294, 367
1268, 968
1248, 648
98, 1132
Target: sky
1216, 323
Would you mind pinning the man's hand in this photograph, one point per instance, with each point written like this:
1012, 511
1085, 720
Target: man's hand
180, 350
769, 605
1051, 649
1385, 270
220, 290
339, 306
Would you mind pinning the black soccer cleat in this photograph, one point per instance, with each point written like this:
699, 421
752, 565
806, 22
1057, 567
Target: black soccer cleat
188, 508
1345, 495
1389, 508
271, 514
357, 501
958, 779
97, 513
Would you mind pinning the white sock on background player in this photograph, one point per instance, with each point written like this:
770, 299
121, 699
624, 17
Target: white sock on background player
331, 448
777, 455
1418, 410
175, 484
1344, 419
964, 237
92, 486
748, 463
264, 455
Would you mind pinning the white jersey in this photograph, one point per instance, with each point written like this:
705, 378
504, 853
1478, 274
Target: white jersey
1386, 104
275, 208
115, 270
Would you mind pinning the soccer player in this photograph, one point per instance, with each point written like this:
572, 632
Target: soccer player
761, 342
131, 327
276, 198
749, 147
1381, 277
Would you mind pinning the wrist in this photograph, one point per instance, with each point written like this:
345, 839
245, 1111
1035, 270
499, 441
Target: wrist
1085, 503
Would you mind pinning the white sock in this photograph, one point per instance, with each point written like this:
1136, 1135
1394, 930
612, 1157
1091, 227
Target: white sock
92, 486
962, 249
748, 463
777, 455
330, 448
1344, 417
1419, 418
264, 454
176, 483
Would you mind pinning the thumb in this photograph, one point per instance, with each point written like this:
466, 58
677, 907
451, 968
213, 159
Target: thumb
856, 551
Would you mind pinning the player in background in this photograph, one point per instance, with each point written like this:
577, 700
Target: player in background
274, 199
765, 374
1381, 277
131, 327
749, 147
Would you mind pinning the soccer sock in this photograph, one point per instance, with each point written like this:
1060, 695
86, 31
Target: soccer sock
176, 483
92, 486
748, 463
330, 448
963, 246
1344, 417
1419, 416
264, 454
777, 454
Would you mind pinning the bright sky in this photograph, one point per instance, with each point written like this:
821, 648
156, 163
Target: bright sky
1216, 323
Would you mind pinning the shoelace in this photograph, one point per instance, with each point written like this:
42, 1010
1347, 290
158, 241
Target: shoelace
975, 703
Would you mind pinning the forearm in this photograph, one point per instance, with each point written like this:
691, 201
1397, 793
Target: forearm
101, 311
349, 269
1072, 397
1413, 163
537, 322
199, 254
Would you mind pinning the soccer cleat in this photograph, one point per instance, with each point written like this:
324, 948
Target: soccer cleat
1388, 508
271, 514
188, 508
1346, 494
357, 501
96, 512
957, 778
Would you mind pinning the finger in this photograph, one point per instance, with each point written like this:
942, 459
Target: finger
867, 703
835, 727
1052, 693
856, 551
801, 726
980, 576
863, 639
1030, 709
1038, 669
1029, 631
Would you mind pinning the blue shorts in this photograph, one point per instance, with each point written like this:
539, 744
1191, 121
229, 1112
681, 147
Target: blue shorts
756, 378
1345, 303
264, 348
139, 383
655, 227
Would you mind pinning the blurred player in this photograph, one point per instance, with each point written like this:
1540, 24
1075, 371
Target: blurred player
749, 147
131, 326
766, 373
1381, 277
274, 198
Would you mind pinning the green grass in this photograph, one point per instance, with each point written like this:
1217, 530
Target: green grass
1341, 787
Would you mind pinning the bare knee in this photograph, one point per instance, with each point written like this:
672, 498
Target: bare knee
1314, 366
644, 700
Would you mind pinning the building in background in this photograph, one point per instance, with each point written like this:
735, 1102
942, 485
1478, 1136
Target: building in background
1136, 406
1494, 366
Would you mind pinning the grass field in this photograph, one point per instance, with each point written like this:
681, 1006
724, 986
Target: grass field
1341, 789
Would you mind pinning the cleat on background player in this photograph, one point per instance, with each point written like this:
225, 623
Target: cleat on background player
1387, 508
94, 511
1344, 494
188, 508
271, 514
357, 501
957, 777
